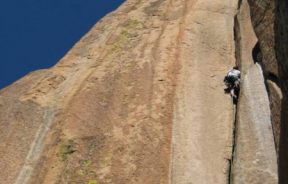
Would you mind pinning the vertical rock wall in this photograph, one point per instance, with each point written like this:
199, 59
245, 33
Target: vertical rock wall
104, 113
263, 17
245, 38
254, 158
270, 21
147, 75
203, 113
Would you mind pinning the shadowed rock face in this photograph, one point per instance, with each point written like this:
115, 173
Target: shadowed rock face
139, 99
281, 28
254, 158
263, 19
263, 16
270, 20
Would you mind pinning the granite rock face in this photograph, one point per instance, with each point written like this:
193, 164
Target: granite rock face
139, 99
275, 98
113, 110
245, 38
263, 19
255, 158
270, 20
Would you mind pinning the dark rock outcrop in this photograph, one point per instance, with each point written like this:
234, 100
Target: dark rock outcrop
281, 30
262, 14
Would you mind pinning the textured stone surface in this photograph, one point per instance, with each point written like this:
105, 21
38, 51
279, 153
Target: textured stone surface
105, 112
139, 99
202, 135
245, 37
255, 159
270, 19
275, 99
263, 18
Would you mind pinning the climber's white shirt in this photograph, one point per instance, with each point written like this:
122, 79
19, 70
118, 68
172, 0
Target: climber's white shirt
234, 73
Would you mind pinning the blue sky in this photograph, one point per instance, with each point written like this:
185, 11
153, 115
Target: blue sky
35, 34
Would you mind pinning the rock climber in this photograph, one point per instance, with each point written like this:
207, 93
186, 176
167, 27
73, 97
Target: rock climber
232, 81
